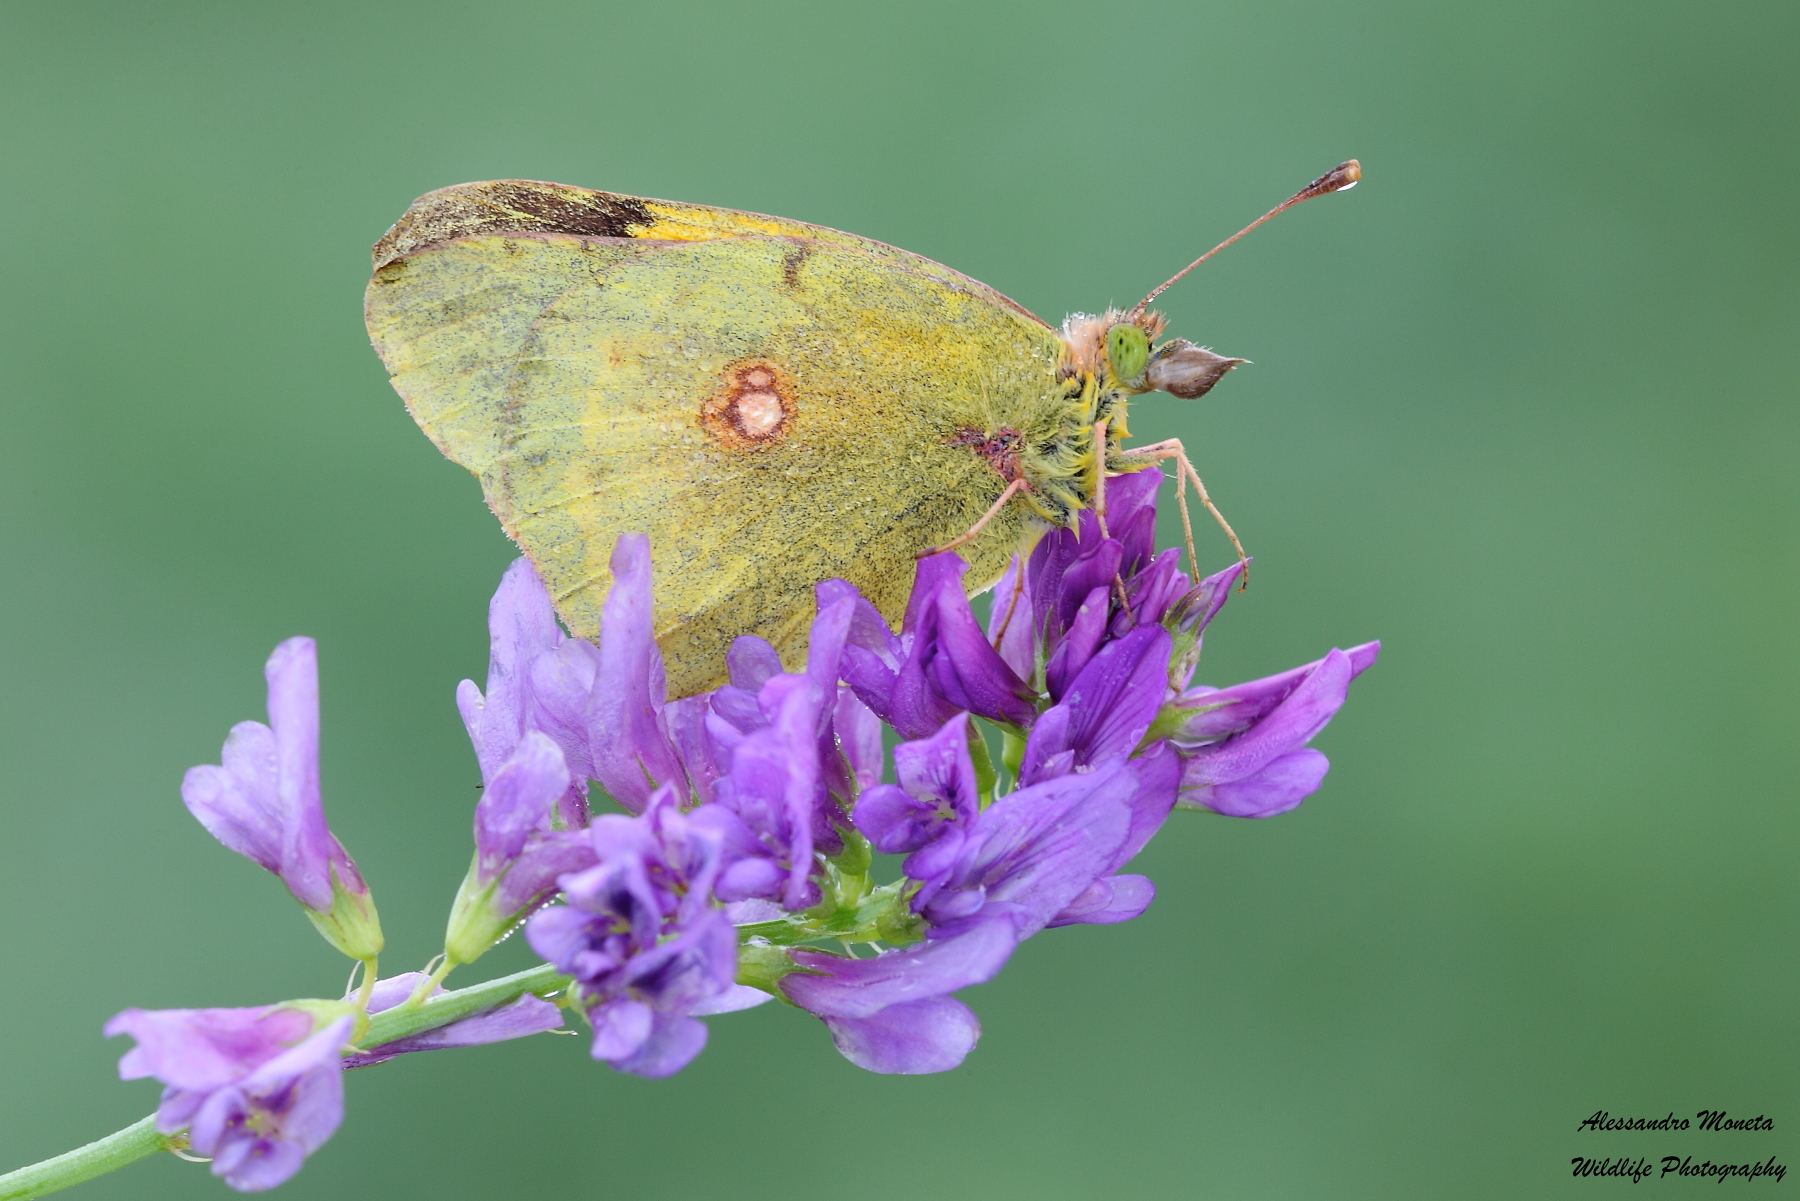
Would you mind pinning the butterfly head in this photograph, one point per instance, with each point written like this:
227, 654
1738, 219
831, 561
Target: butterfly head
1119, 348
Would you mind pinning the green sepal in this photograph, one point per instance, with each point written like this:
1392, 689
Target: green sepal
474, 926
986, 780
880, 915
352, 926
762, 965
1012, 757
856, 857
1184, 657
323, 1013
1169, 722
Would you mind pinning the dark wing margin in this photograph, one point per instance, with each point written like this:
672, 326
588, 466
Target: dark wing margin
510, 206
527, 206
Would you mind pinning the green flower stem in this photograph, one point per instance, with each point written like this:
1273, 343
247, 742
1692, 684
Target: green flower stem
84, 1163
409, 1018
141, 1138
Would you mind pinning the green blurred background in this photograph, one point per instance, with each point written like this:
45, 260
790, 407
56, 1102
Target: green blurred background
1520, 409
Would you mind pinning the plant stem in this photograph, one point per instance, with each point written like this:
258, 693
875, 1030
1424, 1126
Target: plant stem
142, 1138
368, 983
441, 1010
105, 1155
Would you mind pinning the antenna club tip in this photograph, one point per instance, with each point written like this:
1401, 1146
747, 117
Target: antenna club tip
1345, 175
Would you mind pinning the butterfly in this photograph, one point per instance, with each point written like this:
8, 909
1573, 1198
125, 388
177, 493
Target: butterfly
773, 403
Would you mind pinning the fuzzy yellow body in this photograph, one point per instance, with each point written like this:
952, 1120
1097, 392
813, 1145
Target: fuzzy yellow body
773, 403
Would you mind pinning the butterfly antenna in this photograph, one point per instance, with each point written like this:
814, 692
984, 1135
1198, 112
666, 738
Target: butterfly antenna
1340, 177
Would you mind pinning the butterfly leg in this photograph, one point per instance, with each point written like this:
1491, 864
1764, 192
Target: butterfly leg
970, 534
1172, 449
1012, 604
1100, 475
1100, 507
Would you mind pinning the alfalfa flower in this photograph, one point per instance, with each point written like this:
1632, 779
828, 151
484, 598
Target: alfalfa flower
647, 944
1244, 748
260, 1089
263, 802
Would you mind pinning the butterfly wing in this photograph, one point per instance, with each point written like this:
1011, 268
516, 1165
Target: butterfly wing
772, 403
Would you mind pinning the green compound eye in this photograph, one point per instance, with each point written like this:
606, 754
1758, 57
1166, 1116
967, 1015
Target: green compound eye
1128, 350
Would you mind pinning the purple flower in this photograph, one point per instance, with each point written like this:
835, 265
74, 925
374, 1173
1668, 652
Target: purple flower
518, 855
892, 1013
774, 793
799, 750
1053, 613
931, 810
642, 936
1044, 855
605, 707
263, 803
1068, 597
517, 1018
633, 755
1033, 855
260, 1129
940, 665
1106, 710
261, 1088
1245, 747
530, 665
195, 1051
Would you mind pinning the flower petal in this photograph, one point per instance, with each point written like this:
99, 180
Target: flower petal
751, 662
238, 803
859, 737
672, 1043
517, 802
293, 676
521, 628
1011, 625
631, 748
1155, 787
621, 1028
940, 770
205, 1048
1211, 714
733, 999
911, 1039
1109, 900
1038, 849
523, 1015
1280, 786
1289, 725
1117, 696
893, 820
1079, 641
548, 855
862, 988
964, 669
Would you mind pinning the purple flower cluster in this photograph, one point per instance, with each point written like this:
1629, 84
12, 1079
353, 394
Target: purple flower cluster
751, 814
759, 803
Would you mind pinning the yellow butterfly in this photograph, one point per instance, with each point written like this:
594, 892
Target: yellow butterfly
773, 403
